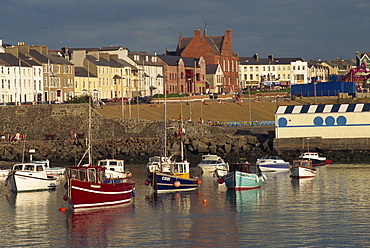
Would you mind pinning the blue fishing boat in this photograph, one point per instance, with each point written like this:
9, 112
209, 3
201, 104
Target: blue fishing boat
178, 179
243, 176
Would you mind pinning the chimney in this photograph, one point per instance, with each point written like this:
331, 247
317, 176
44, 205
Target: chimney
197, 32
271, 57
255, 56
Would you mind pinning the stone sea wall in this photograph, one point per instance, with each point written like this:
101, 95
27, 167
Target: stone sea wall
46, 128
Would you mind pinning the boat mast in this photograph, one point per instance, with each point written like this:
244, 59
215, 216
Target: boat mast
90, 96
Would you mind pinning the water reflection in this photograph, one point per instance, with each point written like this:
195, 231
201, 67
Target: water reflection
243, 200
98, 227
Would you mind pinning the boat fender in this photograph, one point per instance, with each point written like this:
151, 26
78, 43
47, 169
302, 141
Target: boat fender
65, 197
220, 180
129, 174
147, 182
198, 181
176, 184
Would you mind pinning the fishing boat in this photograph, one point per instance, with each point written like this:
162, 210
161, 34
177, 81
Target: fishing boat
243, 176
51, 171
210, 163
272, 164
302, 168
159, 163
315, 158
30, 177
178, 177
90, 186
115, 167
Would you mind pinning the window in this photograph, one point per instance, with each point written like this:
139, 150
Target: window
91, 173
251, 68
82, 174
251, 76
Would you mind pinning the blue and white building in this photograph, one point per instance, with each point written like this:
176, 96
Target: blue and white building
324, 120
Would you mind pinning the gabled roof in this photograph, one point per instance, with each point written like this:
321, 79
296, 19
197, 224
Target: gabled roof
82, 72
174, 60
215, 43
142, 58
49, 58
212, 69
11, 60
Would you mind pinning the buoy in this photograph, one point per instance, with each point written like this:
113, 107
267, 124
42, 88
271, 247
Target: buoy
147, 182
204, 201
198, 181
65, 197
220, 180
62, 209
129, 174
176, 184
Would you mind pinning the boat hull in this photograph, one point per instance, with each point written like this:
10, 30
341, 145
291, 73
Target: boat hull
237, 180
277, 167
89, 195
320, 162
302, 172
162, 182
212, 168
21, 181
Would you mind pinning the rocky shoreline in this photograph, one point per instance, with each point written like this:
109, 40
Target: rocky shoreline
233, 144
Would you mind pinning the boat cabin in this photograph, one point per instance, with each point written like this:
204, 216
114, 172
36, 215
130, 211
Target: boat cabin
245, 167
29, 167
211, 159
302, 163
94, 174
180, 169
113, 164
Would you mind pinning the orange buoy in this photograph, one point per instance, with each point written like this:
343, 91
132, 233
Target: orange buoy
147, 182
176, 184
129, 174
198, 181
62, 209
204, 201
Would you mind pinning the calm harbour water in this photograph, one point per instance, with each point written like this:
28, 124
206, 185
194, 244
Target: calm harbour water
330, 210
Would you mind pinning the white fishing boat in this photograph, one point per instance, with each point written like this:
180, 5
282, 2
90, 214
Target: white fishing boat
115, 167
30, 177
51, 171
158, 163
211, 163
272, 164
302, 168
317, 160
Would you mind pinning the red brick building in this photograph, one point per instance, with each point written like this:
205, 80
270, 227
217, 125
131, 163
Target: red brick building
183, 75
214, 50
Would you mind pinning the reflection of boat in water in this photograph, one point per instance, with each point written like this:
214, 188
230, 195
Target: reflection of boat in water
243, 199
92, 227
303, 184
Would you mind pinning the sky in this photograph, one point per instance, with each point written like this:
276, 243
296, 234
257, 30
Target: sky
310, 29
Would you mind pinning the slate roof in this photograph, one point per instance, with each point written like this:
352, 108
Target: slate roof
174, 60
82, 72
266, 61
215, 42
211, 69
46, 58
11, 60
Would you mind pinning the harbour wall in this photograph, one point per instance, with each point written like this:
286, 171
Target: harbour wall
46, 129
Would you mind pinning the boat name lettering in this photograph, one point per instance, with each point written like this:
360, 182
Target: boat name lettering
166, 179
